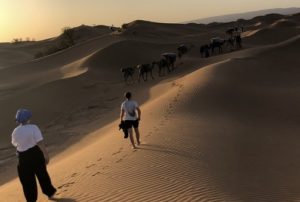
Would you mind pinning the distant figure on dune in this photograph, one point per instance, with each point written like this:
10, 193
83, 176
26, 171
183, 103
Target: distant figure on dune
33, 157
131, 115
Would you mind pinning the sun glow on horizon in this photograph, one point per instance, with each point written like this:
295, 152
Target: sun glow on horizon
41, 19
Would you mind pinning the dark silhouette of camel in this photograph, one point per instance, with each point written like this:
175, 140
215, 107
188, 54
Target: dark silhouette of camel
144, 69
238, 40
171, 59
230, 42
217, 43
235, 37
128, 72
163, 65
204, 50
181, 50
230, 32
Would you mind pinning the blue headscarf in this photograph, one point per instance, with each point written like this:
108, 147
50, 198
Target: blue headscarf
23, 115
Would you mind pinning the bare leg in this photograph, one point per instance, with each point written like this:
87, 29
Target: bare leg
131, 137
137, 134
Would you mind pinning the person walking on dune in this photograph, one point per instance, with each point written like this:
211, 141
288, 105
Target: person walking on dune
33, 157
131, 115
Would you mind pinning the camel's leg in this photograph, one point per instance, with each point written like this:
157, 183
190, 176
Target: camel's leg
172, 66
161, 71
169, 68
131, 76
125, 77
151, 74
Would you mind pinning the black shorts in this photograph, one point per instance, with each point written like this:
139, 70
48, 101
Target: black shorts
130, 124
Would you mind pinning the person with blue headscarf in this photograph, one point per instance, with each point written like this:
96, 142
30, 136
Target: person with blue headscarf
33, 157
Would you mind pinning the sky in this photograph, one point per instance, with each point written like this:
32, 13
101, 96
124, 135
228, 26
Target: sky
41, 19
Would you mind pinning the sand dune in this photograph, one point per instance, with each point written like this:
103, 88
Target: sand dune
224, 128
17, 53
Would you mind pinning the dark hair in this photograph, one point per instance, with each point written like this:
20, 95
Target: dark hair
127, 95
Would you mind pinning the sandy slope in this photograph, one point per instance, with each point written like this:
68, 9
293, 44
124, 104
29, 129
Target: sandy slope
224, 132
13, 54
213, 136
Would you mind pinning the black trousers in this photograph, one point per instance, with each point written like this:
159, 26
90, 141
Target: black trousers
31, 165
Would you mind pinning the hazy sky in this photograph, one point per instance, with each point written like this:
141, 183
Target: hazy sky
42, 19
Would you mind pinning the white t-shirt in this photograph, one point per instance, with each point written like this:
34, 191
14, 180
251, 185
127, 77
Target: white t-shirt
26, 136
130, 106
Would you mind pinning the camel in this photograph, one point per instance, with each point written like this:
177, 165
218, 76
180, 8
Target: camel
171, 58
144, 69
182, 49
162, 64
235, 36
204, 50
230, 42
230, 32
217, 43
238, 40
128, 72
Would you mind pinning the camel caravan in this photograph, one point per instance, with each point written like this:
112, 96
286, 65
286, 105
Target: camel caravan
233, 42
166, 64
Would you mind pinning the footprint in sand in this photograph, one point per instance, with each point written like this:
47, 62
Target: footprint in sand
95, 174
120, 150
122, 158
74, 174
105, 167
92, 165
149, 134
66, 185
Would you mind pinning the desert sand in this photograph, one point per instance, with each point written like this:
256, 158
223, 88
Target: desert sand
223, 128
